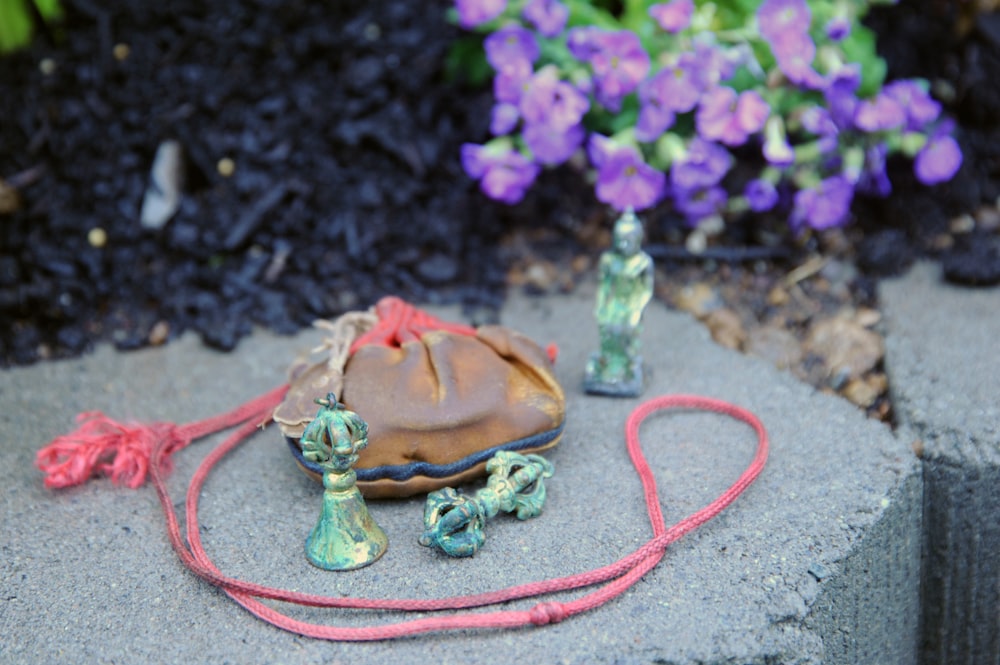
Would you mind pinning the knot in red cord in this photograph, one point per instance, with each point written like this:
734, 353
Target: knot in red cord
399, 322
102, 446
545, 613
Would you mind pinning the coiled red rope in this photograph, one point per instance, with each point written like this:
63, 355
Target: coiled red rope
618, 576
128, 452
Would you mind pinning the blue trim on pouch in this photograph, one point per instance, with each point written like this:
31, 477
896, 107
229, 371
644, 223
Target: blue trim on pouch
407, 471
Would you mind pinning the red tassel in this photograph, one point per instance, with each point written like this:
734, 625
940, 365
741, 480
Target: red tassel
101, 446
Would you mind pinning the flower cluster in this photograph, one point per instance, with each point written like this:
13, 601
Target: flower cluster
660, 95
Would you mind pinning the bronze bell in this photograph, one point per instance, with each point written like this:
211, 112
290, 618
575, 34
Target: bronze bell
345, 537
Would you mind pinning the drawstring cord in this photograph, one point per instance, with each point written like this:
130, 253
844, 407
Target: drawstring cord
163, 439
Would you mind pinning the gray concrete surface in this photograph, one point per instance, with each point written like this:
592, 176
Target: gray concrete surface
815, 563
942, 356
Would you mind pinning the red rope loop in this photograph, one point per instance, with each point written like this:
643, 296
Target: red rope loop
128, 452
619, 576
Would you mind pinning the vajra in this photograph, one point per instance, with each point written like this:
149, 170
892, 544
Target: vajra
454, 522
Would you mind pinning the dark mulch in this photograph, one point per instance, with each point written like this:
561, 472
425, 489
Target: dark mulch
344, 130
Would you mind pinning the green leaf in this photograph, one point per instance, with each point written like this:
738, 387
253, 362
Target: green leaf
466, 61
15, 25
733, 13
49, 9
583, 13
859, 47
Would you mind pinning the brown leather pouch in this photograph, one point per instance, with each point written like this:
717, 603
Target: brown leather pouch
440, 399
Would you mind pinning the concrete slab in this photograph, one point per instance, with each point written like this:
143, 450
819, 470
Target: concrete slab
941, 352
815, 563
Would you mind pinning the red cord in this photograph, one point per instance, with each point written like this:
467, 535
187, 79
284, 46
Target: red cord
622, 574
400, 322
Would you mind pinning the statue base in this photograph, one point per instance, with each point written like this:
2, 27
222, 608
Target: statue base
597, 382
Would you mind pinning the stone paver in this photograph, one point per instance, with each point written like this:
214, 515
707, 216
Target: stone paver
816, 562
941, 347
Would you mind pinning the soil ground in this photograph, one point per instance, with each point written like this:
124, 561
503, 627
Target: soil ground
319, 170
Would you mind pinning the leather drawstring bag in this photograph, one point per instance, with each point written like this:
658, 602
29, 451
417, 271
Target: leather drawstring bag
440, 399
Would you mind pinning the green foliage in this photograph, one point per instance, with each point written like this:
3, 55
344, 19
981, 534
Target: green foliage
466, 61
17, 23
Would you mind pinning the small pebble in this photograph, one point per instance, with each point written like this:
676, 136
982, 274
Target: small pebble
696, 242
226, 167
699, 299
818, 570
988, 218
777, 297
845, 346
10, 199
962, 224
97, 237
159, 333
540, 277
580, 264
47, 66
121, 52
867, 317
860, 393
726, 328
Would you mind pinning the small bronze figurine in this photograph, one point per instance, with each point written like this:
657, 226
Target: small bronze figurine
346, 536
625, 288
454, 522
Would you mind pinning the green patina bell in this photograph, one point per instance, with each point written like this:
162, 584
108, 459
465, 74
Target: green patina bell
345, 537
624, 290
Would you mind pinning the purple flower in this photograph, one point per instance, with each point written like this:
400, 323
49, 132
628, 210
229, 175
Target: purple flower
673, 89
503, 118
781, 17
874, 180
511, 45
673, 16
547, 100
704, 165
816, 120
938, 161
619, 64
551, 145
730, 118
879, 114
826, 206
624, 180
921, 109
839, 95
548, 16
795, 53
713, 65
761, 195
581, 42
653, 118
785, 26
837, 28
503, 173
472, 13
600, 148
678, 87
697, 204
511, 81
